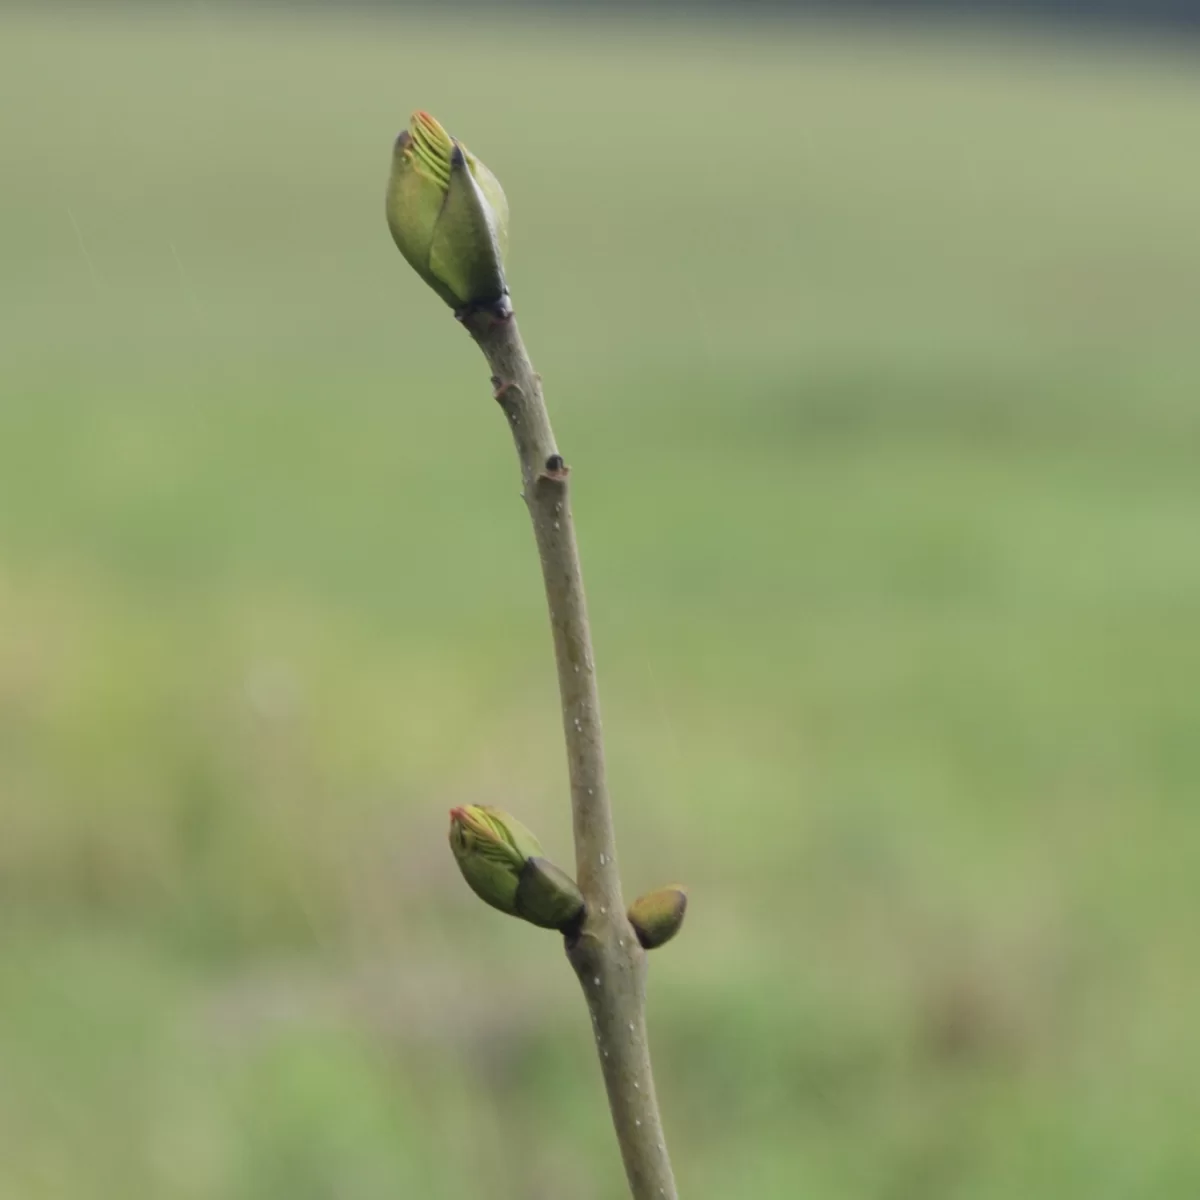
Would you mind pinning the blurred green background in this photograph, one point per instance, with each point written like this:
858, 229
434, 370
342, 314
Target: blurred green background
876, 357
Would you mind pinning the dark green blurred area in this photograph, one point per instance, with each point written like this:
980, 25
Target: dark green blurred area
875, 356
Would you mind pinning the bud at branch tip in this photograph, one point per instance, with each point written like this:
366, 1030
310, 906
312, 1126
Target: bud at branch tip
449, 217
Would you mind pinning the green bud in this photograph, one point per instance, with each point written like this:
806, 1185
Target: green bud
502, 863
448, 216
547, 896
657, 916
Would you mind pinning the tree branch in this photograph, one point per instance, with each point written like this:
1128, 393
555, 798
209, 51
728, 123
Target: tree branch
605, 954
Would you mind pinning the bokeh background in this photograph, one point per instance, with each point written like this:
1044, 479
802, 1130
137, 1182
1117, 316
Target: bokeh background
875, 350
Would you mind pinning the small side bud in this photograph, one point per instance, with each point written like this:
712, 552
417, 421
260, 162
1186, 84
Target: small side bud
657, 916
503, 865
448, 216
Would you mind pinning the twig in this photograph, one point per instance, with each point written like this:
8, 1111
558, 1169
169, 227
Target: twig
605, 954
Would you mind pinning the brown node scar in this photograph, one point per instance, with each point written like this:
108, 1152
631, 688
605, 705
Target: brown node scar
485, 314
555, 469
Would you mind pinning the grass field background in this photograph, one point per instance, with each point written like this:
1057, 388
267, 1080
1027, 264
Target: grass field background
876, 359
